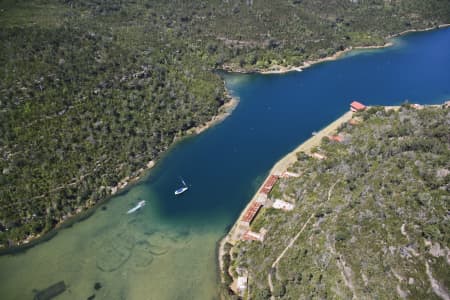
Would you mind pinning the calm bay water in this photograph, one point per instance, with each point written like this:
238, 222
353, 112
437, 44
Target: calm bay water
167, 249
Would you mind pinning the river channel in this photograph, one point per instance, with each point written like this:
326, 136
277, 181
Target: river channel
167, 249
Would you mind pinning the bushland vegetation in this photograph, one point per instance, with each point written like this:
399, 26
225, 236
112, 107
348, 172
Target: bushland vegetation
379, 203
92, 90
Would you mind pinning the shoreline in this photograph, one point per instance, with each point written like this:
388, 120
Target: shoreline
279, 167
284, 163
336, 56
308, 144
223, 111
440, 26
86, 210
277, 69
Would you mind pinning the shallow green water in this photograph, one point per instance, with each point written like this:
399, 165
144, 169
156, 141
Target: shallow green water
135, 256
167, 249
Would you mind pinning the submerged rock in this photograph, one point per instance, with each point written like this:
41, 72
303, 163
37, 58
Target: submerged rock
51, 292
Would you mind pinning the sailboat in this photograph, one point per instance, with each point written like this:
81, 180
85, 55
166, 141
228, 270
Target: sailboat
138, 206
182, 189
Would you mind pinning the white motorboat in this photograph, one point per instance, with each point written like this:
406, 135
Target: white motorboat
138, 206
182, 189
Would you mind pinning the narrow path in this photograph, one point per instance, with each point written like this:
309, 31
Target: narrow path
438, 289
269, 277
291, 243
331, 189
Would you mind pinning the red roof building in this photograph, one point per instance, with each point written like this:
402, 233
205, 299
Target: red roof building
336, 138
269, 184
251, 213
356, 106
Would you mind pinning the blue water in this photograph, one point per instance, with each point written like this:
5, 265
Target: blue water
278, 112
223, 168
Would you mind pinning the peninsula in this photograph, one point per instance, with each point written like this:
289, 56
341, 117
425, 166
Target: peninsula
356, 211
92, 93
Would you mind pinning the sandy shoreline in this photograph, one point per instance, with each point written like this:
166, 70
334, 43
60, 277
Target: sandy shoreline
418, 30
290, 158
224, 111
277, 69
280, 167
32, 240
306, 146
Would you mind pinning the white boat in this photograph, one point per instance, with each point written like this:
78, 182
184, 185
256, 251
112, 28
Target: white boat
182, 189
138, 206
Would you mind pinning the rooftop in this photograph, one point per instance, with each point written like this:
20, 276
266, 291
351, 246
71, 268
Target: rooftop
251, 212
269, 184
355, 105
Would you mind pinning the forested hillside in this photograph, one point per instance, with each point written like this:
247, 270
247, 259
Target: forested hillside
374, 215
91, 91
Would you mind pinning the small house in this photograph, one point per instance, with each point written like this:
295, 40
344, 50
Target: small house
268, 185
280, 204
250, 213
356, 106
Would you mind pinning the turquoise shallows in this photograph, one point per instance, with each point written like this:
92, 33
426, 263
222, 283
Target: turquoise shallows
166, 249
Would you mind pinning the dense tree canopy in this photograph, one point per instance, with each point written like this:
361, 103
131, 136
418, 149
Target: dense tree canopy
91, 91
378, 214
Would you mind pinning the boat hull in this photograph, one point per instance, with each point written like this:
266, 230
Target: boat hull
140, 204
181, 190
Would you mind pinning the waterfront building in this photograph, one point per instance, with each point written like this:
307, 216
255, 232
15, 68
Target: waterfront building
357, 106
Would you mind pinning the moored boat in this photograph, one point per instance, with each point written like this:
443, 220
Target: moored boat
182, 189
138, 206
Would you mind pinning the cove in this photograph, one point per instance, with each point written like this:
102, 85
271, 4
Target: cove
166, 250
